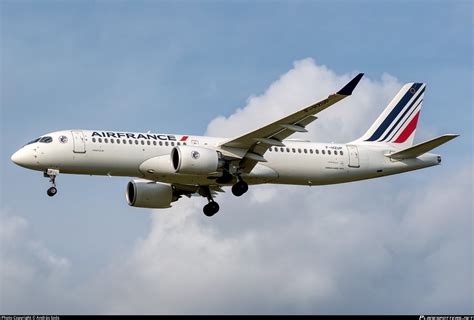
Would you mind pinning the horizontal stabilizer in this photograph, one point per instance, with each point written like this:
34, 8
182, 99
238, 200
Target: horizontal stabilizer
422, 148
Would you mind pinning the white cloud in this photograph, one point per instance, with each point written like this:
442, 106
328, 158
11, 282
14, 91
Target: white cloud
303, 85
392, 245
31, 276
304, 251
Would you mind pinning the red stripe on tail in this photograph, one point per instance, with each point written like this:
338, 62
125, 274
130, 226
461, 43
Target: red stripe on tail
408, 130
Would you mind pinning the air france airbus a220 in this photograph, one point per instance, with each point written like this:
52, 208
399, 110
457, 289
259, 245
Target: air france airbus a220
172, 166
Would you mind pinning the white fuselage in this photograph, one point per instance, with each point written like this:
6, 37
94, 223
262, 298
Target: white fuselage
136, 154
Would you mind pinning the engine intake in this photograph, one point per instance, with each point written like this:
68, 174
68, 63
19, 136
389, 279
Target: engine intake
195, 160
148, 194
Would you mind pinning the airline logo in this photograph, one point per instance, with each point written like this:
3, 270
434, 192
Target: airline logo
146, 136
63, 139
401, 122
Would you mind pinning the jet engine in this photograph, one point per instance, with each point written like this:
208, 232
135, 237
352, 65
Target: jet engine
195, 160
149, 194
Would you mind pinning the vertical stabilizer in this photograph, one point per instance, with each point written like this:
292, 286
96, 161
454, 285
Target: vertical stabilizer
397, 123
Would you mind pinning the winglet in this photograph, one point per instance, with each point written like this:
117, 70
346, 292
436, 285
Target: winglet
348, 88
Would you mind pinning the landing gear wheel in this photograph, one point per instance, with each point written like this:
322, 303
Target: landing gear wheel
211, 208
240, 188
52, 191
51, 174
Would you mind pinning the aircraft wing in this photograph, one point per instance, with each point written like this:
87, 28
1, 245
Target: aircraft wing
258, 141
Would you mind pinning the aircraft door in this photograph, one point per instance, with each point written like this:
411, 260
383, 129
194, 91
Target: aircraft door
353, 156
78, 141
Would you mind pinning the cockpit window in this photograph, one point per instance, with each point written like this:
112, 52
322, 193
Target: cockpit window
46, 140
34, 141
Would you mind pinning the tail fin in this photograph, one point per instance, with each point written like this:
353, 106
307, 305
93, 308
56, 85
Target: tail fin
397, 123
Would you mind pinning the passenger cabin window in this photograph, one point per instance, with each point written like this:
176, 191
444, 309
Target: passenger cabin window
329, 152
305, 151
282, 149
118, 141
316, 151
143, 143
293, 149
161, 143
46, 140
93, 139
106, 140
136, 141
341, 153
130, 141
124, 141
148, 142
323, 152
154, 143
100, 140
311, 151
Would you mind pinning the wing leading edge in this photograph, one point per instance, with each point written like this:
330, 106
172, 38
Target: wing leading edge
258, 141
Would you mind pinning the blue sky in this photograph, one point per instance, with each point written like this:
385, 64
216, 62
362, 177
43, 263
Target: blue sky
174, 67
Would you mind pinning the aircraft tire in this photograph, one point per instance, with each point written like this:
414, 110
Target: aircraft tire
52, 191
240, 188
211, 208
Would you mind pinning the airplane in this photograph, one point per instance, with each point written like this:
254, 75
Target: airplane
166, 167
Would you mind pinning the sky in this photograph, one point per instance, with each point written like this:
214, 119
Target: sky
399, 244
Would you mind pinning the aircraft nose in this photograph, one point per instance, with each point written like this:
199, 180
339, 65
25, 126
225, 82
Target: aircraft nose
21, 158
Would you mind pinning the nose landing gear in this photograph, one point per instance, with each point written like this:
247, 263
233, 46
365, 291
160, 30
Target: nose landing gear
51, 174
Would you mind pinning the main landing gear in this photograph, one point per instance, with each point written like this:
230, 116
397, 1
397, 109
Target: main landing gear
240, 187
51, 174
212, 207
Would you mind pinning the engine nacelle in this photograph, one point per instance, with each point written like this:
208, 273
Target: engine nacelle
195, 160
148, 194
